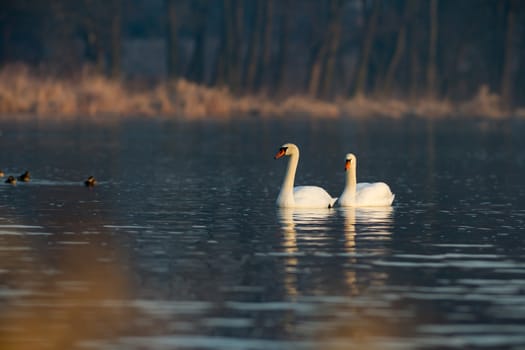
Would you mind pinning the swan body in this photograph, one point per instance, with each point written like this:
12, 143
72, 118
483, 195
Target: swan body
300, 196
362, 194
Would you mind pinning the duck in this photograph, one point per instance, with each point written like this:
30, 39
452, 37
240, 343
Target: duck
11, 180
299, 196
90, 182
25, 176
362, 194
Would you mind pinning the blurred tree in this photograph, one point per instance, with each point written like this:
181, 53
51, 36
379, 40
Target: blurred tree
21, 24
5, 33
264, 75
227, 71
359, 86
220, 73
318, 52
255, 45
398, 52
432, 44
282, 44
94, 19
333, 43
171, 38
116, 42
235, 43
509, 53
415, 33
440, 48
199, 10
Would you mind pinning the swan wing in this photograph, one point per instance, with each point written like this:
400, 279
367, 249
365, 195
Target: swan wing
374, 194
312, 197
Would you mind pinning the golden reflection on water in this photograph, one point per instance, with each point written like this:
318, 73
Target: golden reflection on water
58, 289
364, 331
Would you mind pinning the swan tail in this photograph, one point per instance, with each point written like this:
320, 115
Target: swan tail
392, 199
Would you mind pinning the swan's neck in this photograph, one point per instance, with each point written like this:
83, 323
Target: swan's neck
351, 181
286, 195
289, 177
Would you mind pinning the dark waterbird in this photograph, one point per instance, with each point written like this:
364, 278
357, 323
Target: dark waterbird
25, 176
11, 180
90, 182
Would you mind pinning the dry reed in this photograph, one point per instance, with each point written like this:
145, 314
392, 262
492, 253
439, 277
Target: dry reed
24, 92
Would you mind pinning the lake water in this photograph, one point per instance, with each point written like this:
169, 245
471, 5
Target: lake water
180, 245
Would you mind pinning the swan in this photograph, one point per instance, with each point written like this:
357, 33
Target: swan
299, 196
364, 193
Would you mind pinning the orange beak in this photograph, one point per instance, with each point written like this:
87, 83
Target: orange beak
347, 165
280, 154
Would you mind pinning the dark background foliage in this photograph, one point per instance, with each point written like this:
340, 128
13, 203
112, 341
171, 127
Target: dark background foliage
408, 49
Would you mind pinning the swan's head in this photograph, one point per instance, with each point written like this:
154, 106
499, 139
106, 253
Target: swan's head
286, 150
351, 160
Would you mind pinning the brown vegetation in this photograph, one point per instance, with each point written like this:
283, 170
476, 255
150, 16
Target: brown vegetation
24, 92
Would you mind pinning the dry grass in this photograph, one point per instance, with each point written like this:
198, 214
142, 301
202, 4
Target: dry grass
23, 92
484, 104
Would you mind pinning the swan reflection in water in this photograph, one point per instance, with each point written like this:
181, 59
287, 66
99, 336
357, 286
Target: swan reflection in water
373, 221
369, 225
304, 220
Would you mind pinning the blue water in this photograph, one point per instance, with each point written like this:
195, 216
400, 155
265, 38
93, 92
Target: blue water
180, 245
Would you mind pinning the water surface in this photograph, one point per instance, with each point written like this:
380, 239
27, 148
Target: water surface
181, 246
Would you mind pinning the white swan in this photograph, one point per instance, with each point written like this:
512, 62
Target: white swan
300, 196
362, 194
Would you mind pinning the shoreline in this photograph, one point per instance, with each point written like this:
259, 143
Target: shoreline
90, 96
